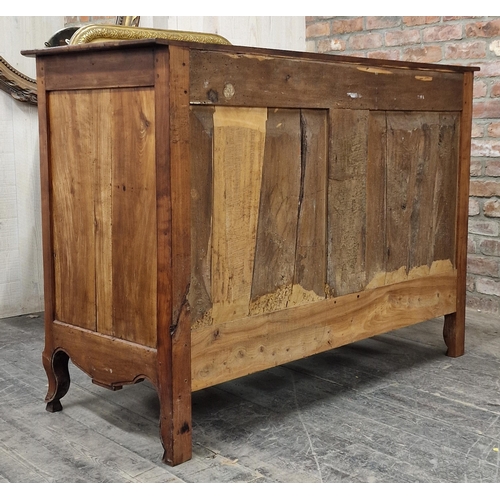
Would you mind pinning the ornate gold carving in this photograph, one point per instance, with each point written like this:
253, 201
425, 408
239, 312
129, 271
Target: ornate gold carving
19, 86
94, 33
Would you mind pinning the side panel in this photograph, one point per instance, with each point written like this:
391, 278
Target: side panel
104, 211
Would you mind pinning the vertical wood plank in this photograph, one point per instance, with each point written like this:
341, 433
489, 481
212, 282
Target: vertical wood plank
278, 211
445, 207
347, 200
411, 169
174, 260
134, 216
201, 119
310, 258
103, 212
376, 253
454, 325
239, 139
420, 181
72, 159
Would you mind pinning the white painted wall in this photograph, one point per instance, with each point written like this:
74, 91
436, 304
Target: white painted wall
21, 272
275, 32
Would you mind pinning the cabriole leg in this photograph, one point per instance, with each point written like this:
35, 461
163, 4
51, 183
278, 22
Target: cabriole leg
56, 368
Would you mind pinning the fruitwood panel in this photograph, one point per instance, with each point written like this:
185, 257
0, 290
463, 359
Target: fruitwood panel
72, 168
133, 215
274, 265
392, 186
239, 139
104, 217
286, 256
347, 175
202, 130
445, 192
421, 160
310, 256
228, 78
376, 249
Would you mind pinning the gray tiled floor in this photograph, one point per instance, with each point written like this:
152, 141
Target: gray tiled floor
391, 409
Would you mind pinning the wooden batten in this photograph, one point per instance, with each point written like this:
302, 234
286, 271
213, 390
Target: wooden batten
234, 349
100, 70
299, 83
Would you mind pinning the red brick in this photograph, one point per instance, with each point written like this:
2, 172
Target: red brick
486, 109
394, 54
490, 247
402, 37
484, 266
368, 41
430, 53
442, 33
318, 29
473, 207
485, 228
488, 29
483, 304
493, 168
471, 245
485, 147
494, 129
477, 130
476, 168
456, 18
331, 45
419, 20
466, 50
470, 283
347, 25
491, 208
495, 90
487, 68
488, 286
480, 88
379, 22
484, 188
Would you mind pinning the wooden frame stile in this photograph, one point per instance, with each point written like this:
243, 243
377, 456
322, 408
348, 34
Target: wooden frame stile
173, 187
55, 363
454, 325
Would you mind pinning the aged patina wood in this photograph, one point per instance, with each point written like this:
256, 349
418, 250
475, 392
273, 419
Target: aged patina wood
224, 210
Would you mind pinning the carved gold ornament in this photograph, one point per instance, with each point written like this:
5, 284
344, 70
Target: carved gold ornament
93, 33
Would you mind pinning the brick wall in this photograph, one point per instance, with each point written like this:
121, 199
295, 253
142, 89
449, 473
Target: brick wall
468, 41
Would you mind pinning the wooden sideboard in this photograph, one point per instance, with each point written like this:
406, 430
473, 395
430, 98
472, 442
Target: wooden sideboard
210, 211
